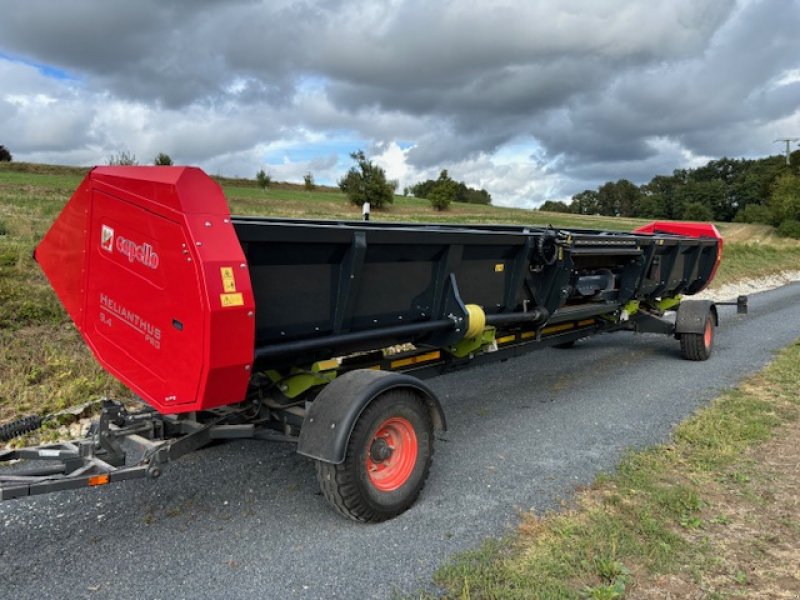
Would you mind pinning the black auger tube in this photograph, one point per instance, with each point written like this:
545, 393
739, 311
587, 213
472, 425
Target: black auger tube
358, 337
355, 337
537, 315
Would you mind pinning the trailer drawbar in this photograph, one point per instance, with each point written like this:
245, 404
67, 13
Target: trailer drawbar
321, 333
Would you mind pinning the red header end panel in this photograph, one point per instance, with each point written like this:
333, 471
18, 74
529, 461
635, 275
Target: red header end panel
149, 267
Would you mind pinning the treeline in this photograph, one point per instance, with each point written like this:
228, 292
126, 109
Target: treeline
764, 190
461, 192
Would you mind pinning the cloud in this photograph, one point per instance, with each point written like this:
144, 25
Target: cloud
528, 99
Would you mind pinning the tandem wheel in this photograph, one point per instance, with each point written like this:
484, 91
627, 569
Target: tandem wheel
698, 346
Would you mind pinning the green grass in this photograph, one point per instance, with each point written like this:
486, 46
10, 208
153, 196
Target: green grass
741, 261
655, 515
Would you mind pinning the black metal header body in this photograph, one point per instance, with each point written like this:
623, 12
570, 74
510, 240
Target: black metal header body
326, 288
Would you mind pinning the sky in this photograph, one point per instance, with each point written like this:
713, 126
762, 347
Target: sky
532, 100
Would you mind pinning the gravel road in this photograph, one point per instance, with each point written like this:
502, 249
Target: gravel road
245, 519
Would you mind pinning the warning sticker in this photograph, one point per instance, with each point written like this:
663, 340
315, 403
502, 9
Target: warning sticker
228, 282
499, 268
231, 299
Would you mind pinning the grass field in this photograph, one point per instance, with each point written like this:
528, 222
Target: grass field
44, 366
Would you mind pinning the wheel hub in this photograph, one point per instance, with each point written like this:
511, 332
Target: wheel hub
392, 454
380, 450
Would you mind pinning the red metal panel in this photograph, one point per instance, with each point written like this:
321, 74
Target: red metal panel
689, 229
62, 251
164, 301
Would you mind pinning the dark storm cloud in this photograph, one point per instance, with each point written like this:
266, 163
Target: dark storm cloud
598, 84
172, 52
712, 104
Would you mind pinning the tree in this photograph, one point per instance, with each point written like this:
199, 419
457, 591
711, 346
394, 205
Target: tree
659, 194
555, 206
123, 159
584, 203
163, 160
443, 192
730, 188
5, 155
472, 196
423, 188
366, 182
464, 193
784, 201
649, 206
308, 180
617, 199
696, 211
263, 179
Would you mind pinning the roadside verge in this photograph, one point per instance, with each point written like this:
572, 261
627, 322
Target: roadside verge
714, 513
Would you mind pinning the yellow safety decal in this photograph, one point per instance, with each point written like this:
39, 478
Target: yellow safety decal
327, 365
413, 360
505, 339
555, 328
586, 322
526, 335
231, 299
499, 268
228, 282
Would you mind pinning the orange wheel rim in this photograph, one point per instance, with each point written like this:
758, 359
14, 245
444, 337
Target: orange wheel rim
707, 334
392, 454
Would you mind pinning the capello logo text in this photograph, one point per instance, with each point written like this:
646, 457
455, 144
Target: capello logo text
141, 253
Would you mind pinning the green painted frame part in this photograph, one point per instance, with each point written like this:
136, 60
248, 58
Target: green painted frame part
299, 380
469, 345
631, 307
668, 303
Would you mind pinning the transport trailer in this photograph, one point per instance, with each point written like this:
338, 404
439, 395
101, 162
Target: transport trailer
321, 333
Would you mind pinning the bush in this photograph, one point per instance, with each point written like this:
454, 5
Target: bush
5, 155
366, 182
754, 213
790, 228
308, 181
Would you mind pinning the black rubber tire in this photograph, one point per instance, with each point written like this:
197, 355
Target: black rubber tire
348, 487
695, 346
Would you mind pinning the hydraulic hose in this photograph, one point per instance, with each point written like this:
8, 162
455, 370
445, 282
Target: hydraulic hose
21, 426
